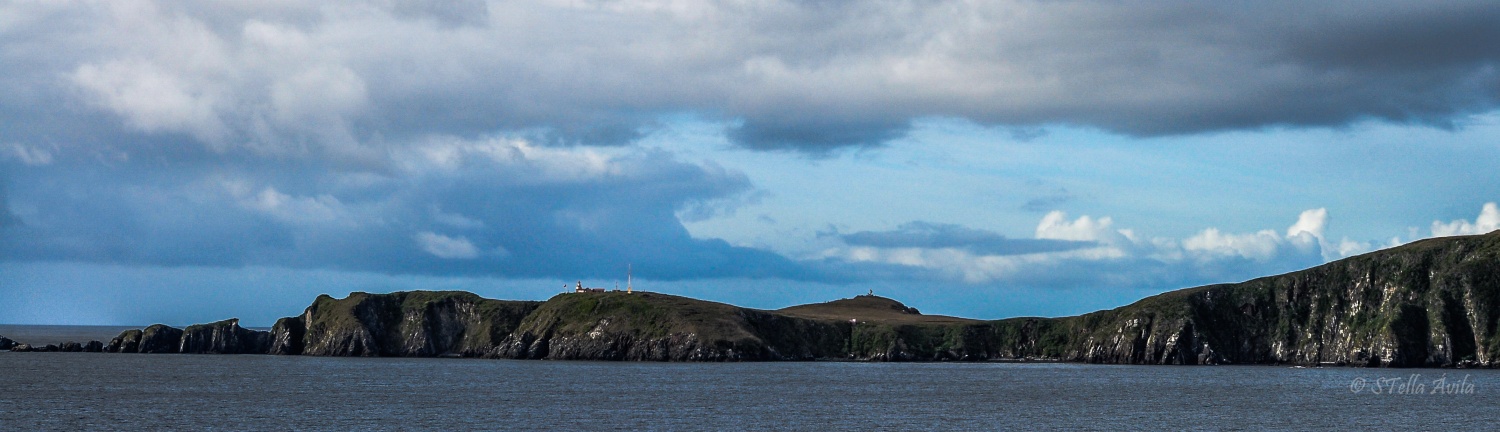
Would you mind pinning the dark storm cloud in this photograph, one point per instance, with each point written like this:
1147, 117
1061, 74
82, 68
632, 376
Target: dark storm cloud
315, 79
454, 208
812, 135
1397, 37
299, 134
927, 235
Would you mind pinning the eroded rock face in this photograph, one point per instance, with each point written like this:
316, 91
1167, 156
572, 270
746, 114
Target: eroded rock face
418, 323
93, 346
6, 343
128, 341
287, 336
160, 339
223, 337
1433, 303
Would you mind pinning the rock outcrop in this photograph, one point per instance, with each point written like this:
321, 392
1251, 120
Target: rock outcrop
287, 336
160, 339
417, 323
223, 337
128, 341
6, 343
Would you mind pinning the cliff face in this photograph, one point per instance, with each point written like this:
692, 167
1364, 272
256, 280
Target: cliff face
418, 323
223, 337
155, 339
287, 336
1431, 303
160, 339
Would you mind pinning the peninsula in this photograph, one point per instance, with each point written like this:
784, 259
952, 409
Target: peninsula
1430, 303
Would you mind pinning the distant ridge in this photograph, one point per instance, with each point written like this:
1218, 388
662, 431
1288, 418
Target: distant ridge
1431, 303
869, 308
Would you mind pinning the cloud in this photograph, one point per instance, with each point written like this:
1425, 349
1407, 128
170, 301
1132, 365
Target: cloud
812, 134
1488, 220
269, 201
447, 206
1092, 252
27, 155
445, 247
325, 80
1055, 225
1049, 200
1310, 222
152, 100
927, 235
1260, 246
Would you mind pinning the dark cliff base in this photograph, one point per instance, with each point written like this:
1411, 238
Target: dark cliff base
1432, 303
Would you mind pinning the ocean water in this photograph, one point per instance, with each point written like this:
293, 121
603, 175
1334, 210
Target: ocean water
42, 335
72, 391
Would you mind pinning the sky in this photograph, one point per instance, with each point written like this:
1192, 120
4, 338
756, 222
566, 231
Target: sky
186, 162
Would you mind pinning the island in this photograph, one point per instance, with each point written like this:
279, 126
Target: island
1430, 303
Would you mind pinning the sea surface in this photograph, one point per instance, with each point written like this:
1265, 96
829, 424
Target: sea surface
73, 391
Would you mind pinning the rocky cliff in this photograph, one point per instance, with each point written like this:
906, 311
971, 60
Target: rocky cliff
418, 323
1432, 303
155, 339
223, 337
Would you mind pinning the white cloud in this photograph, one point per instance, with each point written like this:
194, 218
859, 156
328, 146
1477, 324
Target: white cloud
1488, 220
1210, 243
1123, 257
288, 208
152, 99
527, 161
29, 155
1311, 222
445, 247
270, 88
1055, 226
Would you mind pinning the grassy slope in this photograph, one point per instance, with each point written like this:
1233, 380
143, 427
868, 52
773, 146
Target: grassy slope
643, 314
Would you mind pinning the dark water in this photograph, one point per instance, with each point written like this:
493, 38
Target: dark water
70, 391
